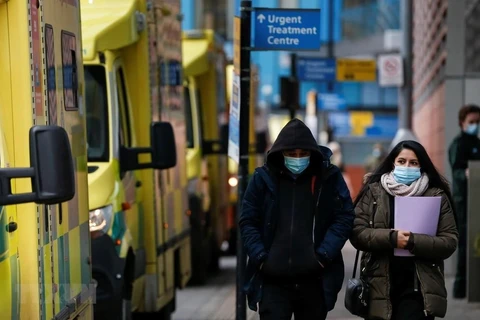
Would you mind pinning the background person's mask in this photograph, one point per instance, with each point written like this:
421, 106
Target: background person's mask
297, 165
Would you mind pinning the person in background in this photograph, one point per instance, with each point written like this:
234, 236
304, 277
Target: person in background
337, 159
404, 288
465, 147
374, 160
296, 216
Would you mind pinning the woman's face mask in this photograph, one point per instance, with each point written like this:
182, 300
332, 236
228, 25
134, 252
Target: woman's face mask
407, 167
406, 175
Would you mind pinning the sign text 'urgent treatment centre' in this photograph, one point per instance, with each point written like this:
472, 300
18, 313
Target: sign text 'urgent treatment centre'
287, 29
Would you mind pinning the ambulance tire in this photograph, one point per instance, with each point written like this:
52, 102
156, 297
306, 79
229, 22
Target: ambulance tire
164, 314
199, 244
128, 278
214, 265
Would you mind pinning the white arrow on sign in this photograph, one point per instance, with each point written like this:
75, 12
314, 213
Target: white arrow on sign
261, 18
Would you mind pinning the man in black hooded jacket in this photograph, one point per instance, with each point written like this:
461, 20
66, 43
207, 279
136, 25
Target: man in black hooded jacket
296, 216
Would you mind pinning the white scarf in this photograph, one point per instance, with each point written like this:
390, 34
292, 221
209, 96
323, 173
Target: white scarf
417, 188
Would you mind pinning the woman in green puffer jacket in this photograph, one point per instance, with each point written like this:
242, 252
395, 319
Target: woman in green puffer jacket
404, 287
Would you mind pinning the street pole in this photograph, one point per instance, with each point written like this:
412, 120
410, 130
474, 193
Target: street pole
405, 93
293, 77
245, 46
322, 115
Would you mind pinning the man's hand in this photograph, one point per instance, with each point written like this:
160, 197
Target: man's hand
467, 173
402, 239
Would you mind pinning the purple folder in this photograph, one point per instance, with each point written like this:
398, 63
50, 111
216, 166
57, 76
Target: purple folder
417, 215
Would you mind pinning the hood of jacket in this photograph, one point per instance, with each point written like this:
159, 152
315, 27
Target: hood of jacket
296, 135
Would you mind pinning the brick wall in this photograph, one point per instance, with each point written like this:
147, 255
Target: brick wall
428, 125
429, 58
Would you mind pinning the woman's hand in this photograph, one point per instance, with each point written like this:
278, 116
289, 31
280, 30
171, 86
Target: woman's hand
402, 238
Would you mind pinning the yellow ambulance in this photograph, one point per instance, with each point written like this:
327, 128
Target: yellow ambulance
45, 265
139, 218
204, 66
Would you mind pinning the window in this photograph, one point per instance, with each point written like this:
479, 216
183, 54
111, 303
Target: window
97, 113
288, 3
188, 118
198, 100
51, 80
70, 76
125, 129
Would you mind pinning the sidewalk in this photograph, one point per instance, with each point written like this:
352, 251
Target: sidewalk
460, 309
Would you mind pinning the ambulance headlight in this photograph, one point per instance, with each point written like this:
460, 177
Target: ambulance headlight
101, 219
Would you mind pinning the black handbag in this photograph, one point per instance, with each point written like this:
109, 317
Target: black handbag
357, 293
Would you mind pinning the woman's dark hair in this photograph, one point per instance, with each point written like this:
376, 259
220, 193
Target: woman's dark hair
435, 179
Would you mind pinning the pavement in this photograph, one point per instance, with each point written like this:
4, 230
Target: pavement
216, 300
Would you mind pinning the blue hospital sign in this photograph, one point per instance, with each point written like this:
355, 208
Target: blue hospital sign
287, 29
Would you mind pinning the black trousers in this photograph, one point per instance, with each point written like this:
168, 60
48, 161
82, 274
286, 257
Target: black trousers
409, 306
304, 300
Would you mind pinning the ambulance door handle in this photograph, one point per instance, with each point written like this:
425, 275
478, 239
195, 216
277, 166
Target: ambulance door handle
12, 226
138, 184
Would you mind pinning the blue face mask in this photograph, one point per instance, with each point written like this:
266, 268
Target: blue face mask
296, 165
406, 175
472, 129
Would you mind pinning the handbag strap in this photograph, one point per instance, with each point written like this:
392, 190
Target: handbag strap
356, 264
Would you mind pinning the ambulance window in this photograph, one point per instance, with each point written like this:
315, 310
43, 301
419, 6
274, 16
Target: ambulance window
198, 100
125, 131
70, 75
188, 118
96, 103
51, 78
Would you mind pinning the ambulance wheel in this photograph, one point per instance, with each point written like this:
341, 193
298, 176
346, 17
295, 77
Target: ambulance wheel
128, 278
214, 265
199, 245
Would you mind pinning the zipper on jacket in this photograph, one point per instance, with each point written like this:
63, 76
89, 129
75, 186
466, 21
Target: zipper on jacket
422, 291
415, 282
291, 228
315, 213
372, 219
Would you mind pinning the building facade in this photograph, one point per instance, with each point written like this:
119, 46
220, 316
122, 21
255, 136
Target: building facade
429, 65
446, 70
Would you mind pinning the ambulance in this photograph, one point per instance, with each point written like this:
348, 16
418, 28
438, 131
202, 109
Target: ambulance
204, 67
45, 258
136, 136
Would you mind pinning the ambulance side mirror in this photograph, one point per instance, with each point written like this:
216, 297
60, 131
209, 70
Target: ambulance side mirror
51, 169
162, 151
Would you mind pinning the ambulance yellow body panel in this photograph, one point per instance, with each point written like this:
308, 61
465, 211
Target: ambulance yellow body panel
207, 129
45, 267
136, 123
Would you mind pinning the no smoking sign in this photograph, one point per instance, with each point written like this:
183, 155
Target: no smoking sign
390, 69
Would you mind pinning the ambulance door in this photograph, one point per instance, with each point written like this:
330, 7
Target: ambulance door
129, 179
65, 230
9, 271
